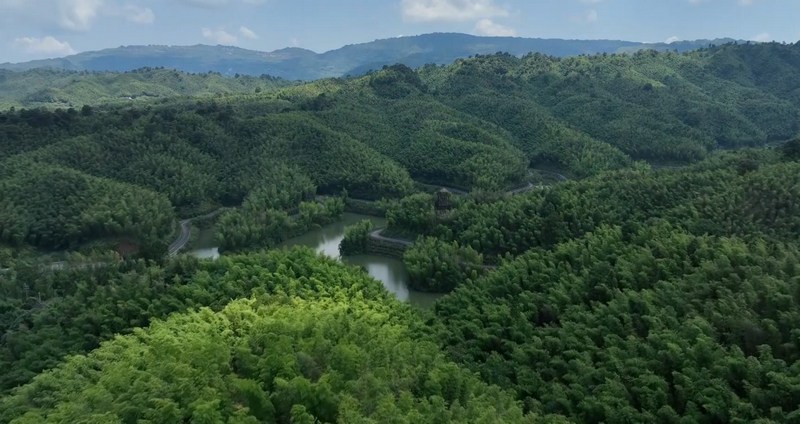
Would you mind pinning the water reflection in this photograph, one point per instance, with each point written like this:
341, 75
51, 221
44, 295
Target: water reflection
391, 272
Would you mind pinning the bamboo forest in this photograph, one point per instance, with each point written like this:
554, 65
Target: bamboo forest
594, 238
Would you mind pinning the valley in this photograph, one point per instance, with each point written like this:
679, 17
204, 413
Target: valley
595, 238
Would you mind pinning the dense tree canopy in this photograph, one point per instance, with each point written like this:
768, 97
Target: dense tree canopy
58, 88
437, 266
356, 238
653, 326
53, 207
659, 284
46, 314
317, 343
750, 193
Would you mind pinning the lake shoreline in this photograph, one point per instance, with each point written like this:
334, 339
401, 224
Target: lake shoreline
325, 240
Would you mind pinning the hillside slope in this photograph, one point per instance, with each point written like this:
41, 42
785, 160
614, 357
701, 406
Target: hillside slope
60, 88
632, 293
478, 124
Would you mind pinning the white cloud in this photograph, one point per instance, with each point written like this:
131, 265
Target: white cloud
491, 28
219, 36
763, 37
138, 15
206, 3
47, 46
77, 15
219, 3
451, 10
592, 16
672, 39
248, 33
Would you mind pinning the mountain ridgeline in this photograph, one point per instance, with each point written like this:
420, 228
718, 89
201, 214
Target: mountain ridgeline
479, 123
356, 59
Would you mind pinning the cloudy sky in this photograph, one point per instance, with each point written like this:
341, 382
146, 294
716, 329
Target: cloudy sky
31, 29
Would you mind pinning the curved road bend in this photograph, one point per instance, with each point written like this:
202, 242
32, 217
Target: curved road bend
186, 229
376, 235
173, 249
527, 187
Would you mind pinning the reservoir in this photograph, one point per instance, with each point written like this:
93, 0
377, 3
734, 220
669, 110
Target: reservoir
390, 271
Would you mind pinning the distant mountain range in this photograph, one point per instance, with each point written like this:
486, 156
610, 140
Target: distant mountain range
356, 59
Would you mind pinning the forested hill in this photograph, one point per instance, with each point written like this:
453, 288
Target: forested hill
627, 294
648, 105
356, 59
308, 341
478, 124
59, 88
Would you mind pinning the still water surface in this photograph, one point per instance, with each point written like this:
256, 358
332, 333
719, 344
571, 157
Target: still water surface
391, 272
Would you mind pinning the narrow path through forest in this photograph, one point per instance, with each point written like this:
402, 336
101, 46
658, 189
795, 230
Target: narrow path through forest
186, 230
376, 234
186, 225
527, 187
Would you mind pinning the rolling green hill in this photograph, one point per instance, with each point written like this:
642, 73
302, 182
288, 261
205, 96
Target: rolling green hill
54, 88
659, 284
298, 351
478, 124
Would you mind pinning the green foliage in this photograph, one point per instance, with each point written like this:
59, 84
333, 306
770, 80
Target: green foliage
46, 315
355, 238
791, 150
337, 354
439, 267
395, 82
477, 124
681, 101
53, 88
638, 293
252, 227
744, 194
413, 213
278, 187
365, 207
199, 158
651, 326
55, 208
334, 160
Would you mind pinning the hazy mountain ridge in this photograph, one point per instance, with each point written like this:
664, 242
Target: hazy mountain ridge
354, 59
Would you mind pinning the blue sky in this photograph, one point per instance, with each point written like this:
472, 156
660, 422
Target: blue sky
31, 29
